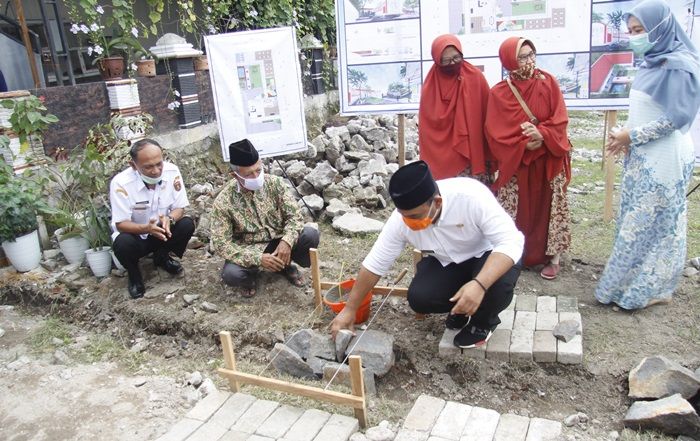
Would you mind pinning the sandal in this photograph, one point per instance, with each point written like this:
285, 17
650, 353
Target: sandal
294, 276
250, 291
550, 271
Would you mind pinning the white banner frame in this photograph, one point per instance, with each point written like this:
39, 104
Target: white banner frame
269, 110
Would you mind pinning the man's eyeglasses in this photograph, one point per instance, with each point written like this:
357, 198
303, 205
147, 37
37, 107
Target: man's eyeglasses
525, 57
454, 60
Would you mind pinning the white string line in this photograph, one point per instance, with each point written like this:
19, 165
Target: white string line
340, 366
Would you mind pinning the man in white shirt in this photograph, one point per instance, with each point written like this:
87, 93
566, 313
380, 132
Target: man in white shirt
148, 201
471, 246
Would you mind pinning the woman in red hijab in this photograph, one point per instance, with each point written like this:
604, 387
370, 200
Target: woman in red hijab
532, 151
451, 114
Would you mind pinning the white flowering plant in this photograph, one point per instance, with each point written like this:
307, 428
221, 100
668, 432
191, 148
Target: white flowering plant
109, 26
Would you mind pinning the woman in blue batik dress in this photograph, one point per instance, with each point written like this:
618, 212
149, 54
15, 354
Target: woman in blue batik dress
650, 243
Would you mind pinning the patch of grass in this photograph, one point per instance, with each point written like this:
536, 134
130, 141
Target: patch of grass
42, 339
633, 435
105, 348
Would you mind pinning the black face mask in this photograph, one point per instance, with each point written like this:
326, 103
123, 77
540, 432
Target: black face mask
451, 69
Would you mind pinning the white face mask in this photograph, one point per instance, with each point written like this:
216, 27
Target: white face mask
149, 180
253, 184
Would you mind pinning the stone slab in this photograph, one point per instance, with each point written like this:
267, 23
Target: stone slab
526, 303
451, 421
546, 321
446, 347
575, 316
507, 316
281, 420
546, 304
478, 353
498, 346
511, 306
234, 435
181, 430
307, 426
254, 416
259, 438
424, 413
567, 304
232, 409
437, 438
544, 347
338, 428
521, 345
511, 428
481, 425
207, 432
208, 405
525, 320
570, 352
411, 435
543, 430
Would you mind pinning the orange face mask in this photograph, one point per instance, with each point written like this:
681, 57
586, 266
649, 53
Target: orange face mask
419, 224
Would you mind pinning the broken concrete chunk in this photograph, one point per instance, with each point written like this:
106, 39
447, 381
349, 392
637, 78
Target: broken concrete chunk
659, 377
287, 361
672, 415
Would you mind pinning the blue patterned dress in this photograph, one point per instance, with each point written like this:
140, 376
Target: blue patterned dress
650, 243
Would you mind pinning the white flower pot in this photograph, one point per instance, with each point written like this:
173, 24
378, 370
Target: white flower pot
24, 252
73, 249
100, 261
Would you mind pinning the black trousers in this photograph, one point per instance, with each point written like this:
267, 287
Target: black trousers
434, 285
236, 275
129, 248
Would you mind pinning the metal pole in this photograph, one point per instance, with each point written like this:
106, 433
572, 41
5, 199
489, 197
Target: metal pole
27, 43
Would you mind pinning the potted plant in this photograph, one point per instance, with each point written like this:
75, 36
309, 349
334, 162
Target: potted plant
98, 234
132, 127
20, 201
215, 18
28, 120
110, 34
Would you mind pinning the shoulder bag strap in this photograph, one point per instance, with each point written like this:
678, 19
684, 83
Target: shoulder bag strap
518, 97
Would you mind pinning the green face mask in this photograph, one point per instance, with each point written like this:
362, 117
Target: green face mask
640, 43
149, 180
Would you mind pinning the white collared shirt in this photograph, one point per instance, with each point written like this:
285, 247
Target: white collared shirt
471, 223
131, 200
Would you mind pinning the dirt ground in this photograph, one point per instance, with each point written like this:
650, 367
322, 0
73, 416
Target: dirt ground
101, 398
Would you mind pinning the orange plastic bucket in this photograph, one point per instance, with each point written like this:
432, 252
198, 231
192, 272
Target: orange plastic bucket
332, 299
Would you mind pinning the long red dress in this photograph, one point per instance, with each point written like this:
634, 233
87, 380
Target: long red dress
451, 117
541, 175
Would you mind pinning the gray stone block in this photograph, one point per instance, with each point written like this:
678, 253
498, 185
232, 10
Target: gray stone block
259, 438
481, 425
511, 306
544, 347
254, 416
411, 435
446, 347
207, 432
343, 376
233, 435
521, 345
181, 430
338, 428
546, 321
342, 340
672, 415
300, 342
567, 304
478, 353
281, 420
289, 362
451, 421
570, 352
307, 426
376, 349
322, 346
524, 321
507, 316
424, 413
511, 428
232, 409
526, 303
543, 430
546, 304
658, 377
207, 406
498, 347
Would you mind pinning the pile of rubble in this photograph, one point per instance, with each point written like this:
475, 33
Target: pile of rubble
309, 354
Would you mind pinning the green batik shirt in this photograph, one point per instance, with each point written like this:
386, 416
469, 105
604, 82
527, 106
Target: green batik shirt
244, 222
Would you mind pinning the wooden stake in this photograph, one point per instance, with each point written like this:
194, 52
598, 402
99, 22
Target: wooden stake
27, 43
315, 276
357, 383
402, 139
229, 358
609, 168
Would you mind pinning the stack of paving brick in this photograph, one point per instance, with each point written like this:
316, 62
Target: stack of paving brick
525, 333
433, 419
223, 416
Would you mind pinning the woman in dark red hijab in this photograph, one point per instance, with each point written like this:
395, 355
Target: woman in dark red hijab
534, 166
451, 115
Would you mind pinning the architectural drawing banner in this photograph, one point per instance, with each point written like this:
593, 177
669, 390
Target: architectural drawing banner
256, 82
384, 46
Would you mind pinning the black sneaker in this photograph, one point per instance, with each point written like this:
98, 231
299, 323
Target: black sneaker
456, 321
472, 337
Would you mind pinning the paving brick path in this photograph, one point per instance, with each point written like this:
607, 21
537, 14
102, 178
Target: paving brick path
223, 416
525, 333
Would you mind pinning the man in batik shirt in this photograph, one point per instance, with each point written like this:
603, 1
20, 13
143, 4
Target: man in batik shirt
257, 225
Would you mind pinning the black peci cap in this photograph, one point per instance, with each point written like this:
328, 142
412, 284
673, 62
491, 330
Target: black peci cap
412, 185
242, 153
